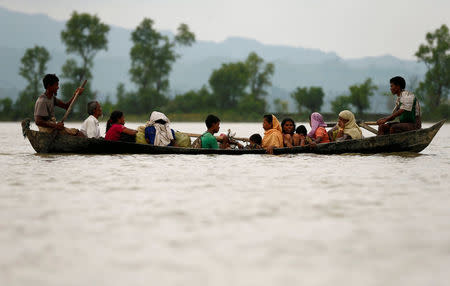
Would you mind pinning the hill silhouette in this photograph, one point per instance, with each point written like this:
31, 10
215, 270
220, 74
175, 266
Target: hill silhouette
294, 66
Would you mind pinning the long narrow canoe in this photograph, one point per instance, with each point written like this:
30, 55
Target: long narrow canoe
411, 141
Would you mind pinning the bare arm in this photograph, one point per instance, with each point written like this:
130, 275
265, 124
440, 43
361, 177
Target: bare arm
317, 140
49, 124
390, 117
287, 140
129, 131
269, 149
66, 105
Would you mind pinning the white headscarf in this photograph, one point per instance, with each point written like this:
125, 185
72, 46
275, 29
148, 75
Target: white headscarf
163, 135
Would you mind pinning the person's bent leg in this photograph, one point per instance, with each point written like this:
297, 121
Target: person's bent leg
402, 127
384, 129
296, 139
225, 144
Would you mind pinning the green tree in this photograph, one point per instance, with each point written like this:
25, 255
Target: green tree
340, 103
152, 57
310, 99
192, 101
126, 101
228, 84
184, 36
251, 106
359, 95
6, 109
33, 68
436, 56
281, 106
259, 79
107, 107
84, 36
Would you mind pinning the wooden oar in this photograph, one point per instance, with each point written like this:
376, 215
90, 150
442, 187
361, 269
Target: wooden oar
73, 101
332, 124
367, 127
235, 138
362, 124
55, 132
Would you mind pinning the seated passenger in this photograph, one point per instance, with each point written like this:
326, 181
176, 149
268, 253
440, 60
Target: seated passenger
208, 140
158, 132
288, 129
273, 138
115, 129
90, 127
255, 142
318, 133
300, 138
346, 129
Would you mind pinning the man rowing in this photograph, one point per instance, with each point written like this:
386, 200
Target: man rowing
407, 109
44, 109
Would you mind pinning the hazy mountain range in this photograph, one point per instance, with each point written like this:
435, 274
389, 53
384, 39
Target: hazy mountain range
294, 66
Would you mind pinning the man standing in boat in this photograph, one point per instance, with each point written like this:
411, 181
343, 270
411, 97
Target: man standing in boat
407, 109
44, 109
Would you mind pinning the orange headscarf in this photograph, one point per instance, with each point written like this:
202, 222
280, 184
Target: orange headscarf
274, 136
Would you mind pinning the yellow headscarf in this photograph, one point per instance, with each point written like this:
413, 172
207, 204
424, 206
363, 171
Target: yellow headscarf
274, 136
351, 128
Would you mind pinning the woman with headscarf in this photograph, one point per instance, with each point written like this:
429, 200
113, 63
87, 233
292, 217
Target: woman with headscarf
157, 130
346, 129
273, 136
318, 133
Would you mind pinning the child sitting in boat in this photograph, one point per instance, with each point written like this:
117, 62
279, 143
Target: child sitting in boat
115, 129
158, 131
318, 133
273, 138
288, 129
300, 138
255, 142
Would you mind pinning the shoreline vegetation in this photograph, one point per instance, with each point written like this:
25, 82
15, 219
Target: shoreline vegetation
235, 92
236, 117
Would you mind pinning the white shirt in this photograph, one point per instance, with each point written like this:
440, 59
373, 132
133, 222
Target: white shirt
405, 101
90, 127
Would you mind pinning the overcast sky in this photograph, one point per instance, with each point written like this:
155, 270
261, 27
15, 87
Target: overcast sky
351, 28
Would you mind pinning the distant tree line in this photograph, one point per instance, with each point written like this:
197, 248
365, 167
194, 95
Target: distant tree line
237, 87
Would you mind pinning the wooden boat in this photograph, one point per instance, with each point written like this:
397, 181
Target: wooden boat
412, 141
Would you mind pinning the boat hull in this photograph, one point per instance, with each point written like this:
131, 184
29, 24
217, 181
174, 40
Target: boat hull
411, 141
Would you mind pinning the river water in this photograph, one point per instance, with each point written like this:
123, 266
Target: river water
223, 220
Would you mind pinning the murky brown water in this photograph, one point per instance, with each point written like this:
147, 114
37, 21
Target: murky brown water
223, 220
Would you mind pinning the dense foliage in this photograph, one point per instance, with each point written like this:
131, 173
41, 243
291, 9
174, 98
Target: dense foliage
152, 57
84, 36
434, 90
33, 67
236, 89
310, 99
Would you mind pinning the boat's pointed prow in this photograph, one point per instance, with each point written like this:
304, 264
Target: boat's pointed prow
25, 126
435, 128
439, 124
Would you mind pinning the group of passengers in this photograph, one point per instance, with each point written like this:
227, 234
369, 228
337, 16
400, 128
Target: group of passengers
287, 135
157, 130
